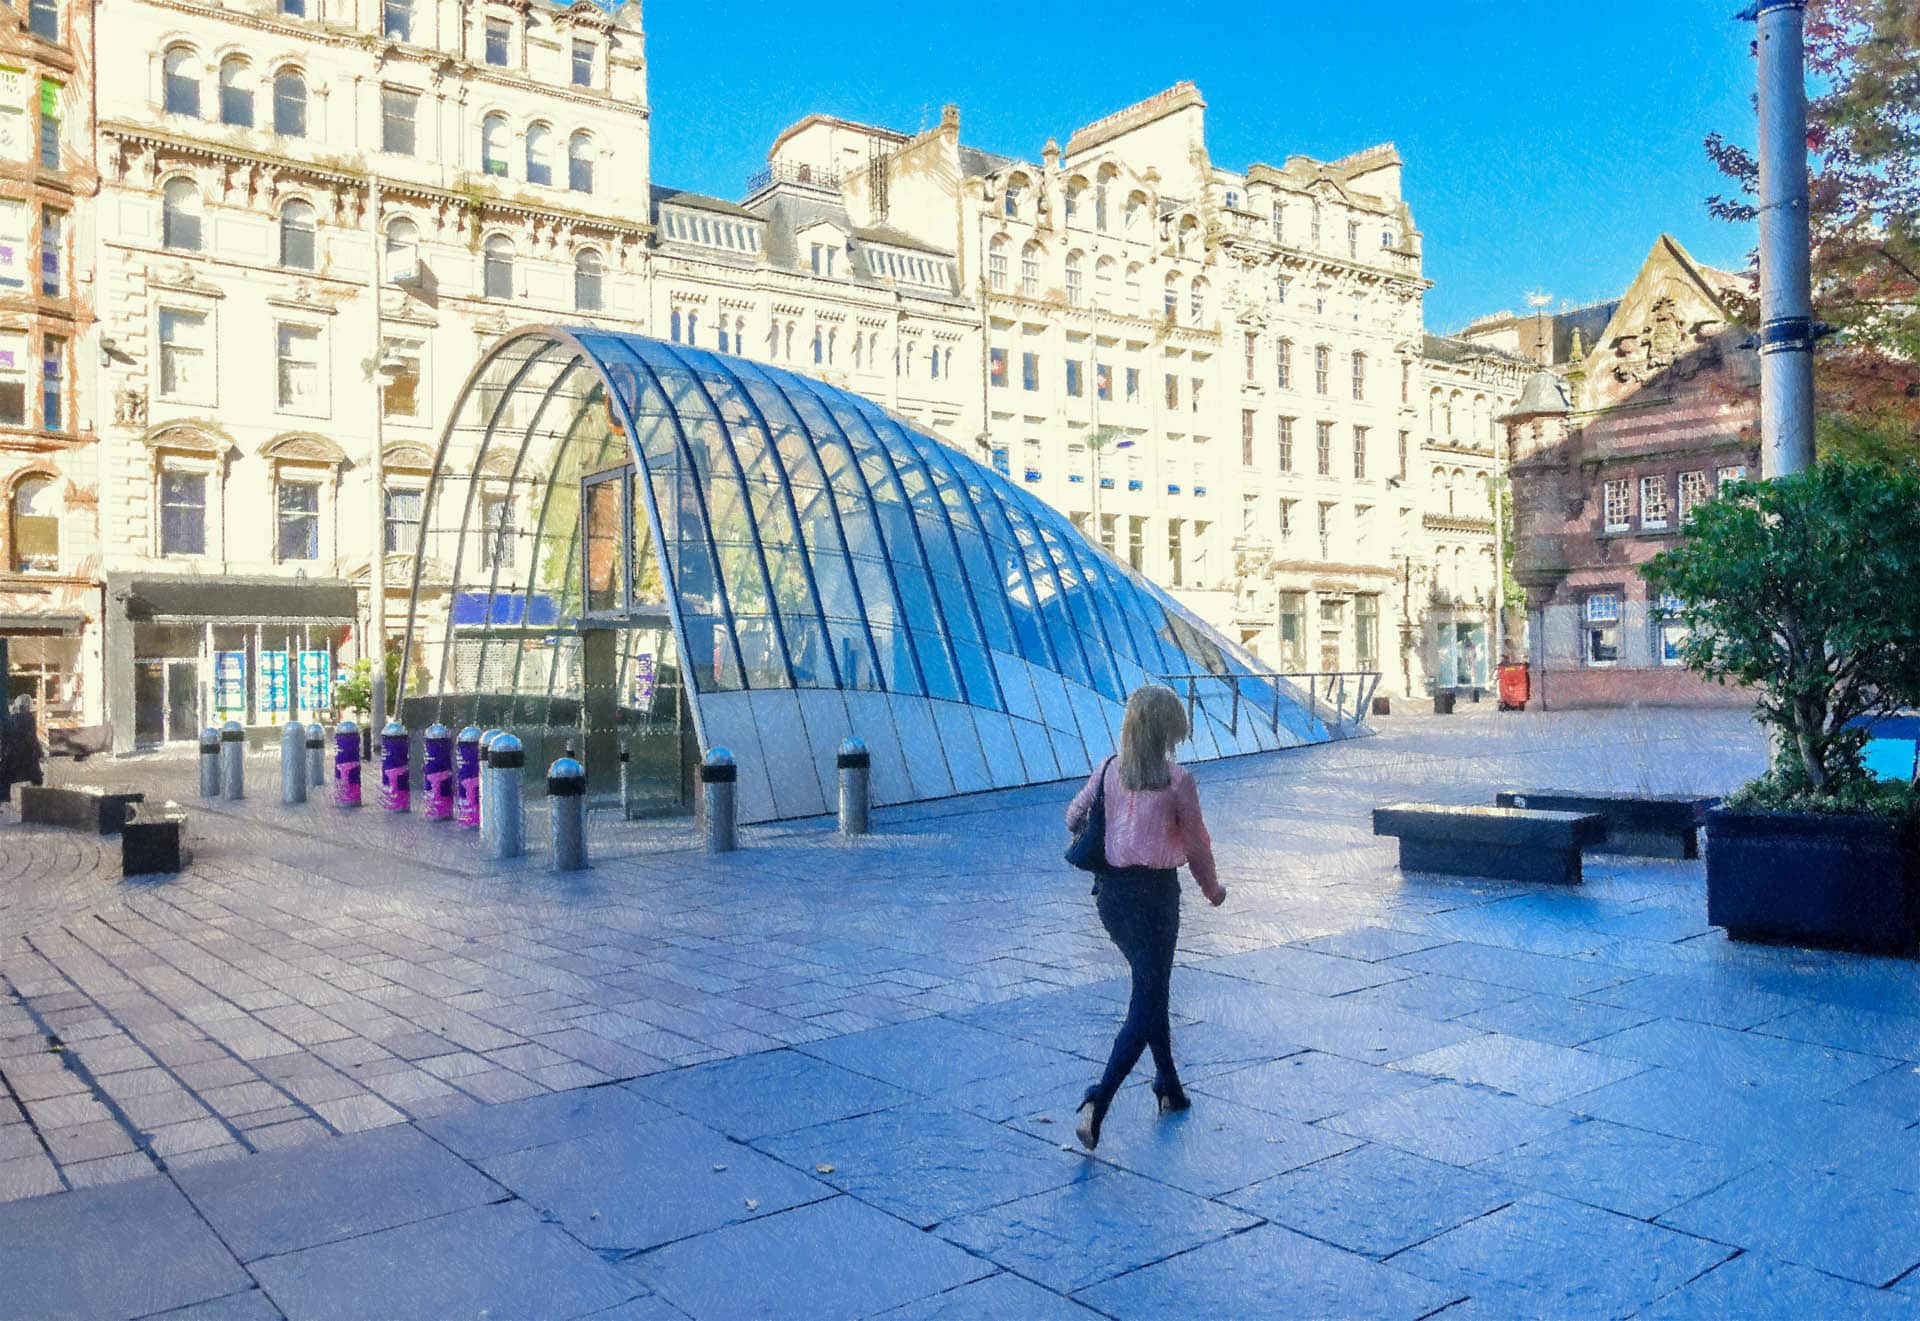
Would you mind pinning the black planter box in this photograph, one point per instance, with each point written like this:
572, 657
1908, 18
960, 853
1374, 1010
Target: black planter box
1828, 882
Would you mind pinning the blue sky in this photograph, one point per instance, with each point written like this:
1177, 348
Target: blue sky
1547, 145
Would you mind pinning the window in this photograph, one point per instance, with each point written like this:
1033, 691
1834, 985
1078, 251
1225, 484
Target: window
1133, 290
1193, 393
1619, 505
820, 350
1030, 269
997, 264
1133, 385
498, 36
49, 124
1174, 565
36, 527
180, 216
1197, 301
1030, 371
540, 155
236, 94
13, 378
297, 354
496, 532
493, 146
1403, 456
1010, 197
582, 63
43, 19
1076, 385
1286, 519
580, 163
1359, 376
1173, 391
1286, 444
1366, 631
289, 104
586, 285
1074, 297
398, 111
293, 8
1406, 380
1693, 491
1323, 448
1669, 632
1326, 531
1360, 452
180, 83
1353, 238
1653, 502
298, 521
1322, 368
396, 19
53, 229
497, 268
403, 521
403, 250
297, 236
1602, 627
53, 378
997, 366
1246, 437
1002, 463
183, 354
183, 513
1737, 473
1283, 364
1102, 380
1313, 222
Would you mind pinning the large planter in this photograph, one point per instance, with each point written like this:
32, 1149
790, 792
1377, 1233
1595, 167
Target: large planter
1829, 882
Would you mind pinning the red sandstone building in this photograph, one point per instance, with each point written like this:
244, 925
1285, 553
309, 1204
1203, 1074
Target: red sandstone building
1609, 453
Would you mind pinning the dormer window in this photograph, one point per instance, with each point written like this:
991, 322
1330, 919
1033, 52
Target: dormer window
823, 259
498, 36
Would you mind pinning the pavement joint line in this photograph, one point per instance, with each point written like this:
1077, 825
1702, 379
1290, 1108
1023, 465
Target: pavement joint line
59, 1168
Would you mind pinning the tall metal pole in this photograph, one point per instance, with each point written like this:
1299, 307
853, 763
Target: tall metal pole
375, 642
1499, 485
1786, 304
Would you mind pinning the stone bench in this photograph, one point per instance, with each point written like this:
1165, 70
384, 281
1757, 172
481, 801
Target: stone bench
1640, 825
1510, 843
82, 806
154, 840
79, 741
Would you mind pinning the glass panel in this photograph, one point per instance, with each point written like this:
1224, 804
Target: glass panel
606, 543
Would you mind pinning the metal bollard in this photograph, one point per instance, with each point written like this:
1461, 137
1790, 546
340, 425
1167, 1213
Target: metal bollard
484, 786
233, 761
567, 814
293, 764
505, 758
346, 764
718, 775
626, 784
396, 782
854, 764
316, 756
466, 777
210, 762
436, 769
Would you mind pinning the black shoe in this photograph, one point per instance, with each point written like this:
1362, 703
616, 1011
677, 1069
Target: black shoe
1172, 1097
1093, 1112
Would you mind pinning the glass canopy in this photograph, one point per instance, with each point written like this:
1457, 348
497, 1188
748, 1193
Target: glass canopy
625, 544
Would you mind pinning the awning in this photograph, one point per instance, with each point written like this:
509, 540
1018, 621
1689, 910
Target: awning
16, 625
242, 600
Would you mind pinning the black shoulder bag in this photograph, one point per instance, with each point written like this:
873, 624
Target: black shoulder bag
1088, 851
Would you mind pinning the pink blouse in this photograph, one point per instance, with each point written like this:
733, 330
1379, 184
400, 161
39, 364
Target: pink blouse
1151, 827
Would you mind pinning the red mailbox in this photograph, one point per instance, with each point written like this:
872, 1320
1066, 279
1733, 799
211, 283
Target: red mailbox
1513, 685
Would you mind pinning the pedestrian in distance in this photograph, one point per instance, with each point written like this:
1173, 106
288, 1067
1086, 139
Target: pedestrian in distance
1153, 827
23, 750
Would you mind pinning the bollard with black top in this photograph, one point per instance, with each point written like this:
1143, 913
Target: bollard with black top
718, 777
210, 762
233, 761
346, 764
316, 756
486, 787
436, 770
505, 760
855, 765
567, 814
293, 764
466, 777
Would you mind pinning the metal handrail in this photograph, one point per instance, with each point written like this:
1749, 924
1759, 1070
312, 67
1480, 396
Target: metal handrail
1336, 700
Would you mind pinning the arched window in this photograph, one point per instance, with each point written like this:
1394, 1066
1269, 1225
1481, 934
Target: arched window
740, 335
540, 154
1076, 202
997, 263
497, 267
673, 326
580, 163
1103, 282
1170, 305
1449, 415
493, 145
1197, 301
1134, 291
587, 271
1100, 190
289, 104
1013, 194
859, 346
1189, 237
296, 235
1030, 269
180, 79
36, 527
236, 93
403, 249
1074, 291
180, 216
1136, 213
693, 327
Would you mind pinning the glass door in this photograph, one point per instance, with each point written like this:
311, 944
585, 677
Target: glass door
149, 703
183, 700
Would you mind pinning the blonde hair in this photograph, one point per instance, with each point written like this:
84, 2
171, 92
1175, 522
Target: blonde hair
1155, 724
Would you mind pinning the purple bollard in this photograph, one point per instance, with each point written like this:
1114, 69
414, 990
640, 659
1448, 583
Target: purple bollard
396, 789
466, 777
346, 764
436, 769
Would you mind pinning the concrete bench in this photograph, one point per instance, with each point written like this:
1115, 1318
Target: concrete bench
154, 840
1510, 843
81, 806
1641, 825
79, 741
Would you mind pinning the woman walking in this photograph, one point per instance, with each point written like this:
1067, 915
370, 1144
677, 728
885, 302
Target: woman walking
1153, 828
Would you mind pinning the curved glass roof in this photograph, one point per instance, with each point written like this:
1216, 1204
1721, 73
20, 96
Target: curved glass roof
795, 536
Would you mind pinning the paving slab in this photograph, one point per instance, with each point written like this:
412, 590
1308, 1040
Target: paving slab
1374, 1199
494, 1130
1554, 1019
930, 1053
1310, 1085
1844, 1226
249, 1306
1742, 1059
1628, 1170
1450, 1122
1519, 1067
778, 1091
999, 1297
1755, 1285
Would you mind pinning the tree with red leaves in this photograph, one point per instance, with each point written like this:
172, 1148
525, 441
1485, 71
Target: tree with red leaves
1863, 137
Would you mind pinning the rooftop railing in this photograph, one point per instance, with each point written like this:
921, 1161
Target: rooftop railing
810, 176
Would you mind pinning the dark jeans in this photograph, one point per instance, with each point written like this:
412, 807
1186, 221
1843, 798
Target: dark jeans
1140, 908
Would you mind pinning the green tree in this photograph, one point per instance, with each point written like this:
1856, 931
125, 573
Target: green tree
355, 692
1863, 135
1807, 589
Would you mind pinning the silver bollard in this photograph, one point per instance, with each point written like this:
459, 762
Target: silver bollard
718, 775
293, 764
854, 765
233, 761
316, 756
210, 762
626, 784
501, 798
567, 814
487, 737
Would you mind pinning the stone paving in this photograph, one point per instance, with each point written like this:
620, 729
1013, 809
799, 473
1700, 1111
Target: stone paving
345, 1068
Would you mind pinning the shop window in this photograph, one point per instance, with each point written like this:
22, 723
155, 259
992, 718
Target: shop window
36, 527
403, 507
183, 355
183, 513
299, 521
13, 378
1601, 613
1619, 505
